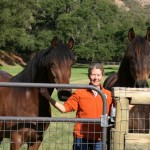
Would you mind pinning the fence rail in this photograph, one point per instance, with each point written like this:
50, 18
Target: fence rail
111, 63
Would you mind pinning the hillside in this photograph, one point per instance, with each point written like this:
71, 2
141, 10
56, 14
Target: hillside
121, 3
144, 2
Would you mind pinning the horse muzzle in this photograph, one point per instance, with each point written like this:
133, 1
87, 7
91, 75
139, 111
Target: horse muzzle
64, 94
141, 84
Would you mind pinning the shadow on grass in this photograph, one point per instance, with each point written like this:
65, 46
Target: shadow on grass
110, 73
111, 68
80, 66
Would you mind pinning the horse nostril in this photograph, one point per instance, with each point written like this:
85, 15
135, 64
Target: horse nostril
63, 95
146, 84
141, 84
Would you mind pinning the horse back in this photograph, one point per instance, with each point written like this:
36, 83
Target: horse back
4, 76
18, 102
111, 81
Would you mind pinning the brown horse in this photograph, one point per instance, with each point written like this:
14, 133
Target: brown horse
52, 65
4, 76
134, 71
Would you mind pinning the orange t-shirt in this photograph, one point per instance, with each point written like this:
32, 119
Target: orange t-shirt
88, 106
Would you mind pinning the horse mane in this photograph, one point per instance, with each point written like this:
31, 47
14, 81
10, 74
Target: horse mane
124, 76
28, 74
40, 62
137, 47
61, 53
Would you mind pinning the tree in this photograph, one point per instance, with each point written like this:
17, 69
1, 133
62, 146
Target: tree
98, 27
16, 24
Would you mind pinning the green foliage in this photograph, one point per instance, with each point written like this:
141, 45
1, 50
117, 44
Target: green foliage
16, 22
98, 27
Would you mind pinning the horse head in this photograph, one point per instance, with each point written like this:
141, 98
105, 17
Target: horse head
136, 62
62, 59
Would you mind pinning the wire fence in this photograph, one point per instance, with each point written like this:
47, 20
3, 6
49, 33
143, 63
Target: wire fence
59, 134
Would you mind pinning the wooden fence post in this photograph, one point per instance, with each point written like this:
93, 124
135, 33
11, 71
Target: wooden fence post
125, 97
121, 124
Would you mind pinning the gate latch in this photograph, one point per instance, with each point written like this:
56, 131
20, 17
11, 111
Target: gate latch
104, 120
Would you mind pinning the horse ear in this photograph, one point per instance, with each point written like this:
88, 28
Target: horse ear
131, 34
148, 34
54, 42
70, 44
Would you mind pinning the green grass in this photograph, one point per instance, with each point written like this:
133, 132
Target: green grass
12, 69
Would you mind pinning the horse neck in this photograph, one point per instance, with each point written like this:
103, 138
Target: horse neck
125, 78
32, 73
41, 77
125, 82
45, 77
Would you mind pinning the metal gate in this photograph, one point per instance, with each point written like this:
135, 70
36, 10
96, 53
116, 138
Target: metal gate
59, 133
